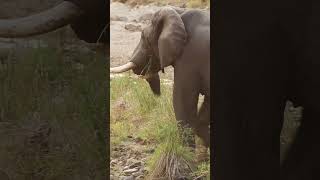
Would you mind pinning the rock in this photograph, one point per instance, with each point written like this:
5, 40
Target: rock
145, 17
130, 161
140, 177
136, 164
126, 167
127, 178
133, 27
130, 171
137, 174
118, 18
113, 162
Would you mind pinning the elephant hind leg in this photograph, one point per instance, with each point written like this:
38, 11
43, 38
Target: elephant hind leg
201, 126
202, 130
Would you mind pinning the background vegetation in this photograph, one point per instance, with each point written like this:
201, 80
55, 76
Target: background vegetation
53, 115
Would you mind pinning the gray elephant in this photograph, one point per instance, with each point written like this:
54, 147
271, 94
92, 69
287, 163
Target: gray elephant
88, 19
178, 38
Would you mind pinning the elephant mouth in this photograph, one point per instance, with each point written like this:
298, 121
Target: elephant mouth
144, 71
61, 15
151, 77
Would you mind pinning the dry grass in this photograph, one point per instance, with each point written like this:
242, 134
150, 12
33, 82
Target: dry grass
172, 159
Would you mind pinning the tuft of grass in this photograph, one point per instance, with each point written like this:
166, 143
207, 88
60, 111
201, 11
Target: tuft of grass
135, 111
172, 159
202, 171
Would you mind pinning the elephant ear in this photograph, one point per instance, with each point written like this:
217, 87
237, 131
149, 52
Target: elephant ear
171, 35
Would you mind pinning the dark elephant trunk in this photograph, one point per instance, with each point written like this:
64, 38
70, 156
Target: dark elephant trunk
154, 83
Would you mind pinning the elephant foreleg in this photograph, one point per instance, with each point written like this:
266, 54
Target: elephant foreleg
185, 99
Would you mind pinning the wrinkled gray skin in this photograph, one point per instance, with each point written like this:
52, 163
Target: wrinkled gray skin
181, 40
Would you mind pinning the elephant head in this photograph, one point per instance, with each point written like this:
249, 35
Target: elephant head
87, 21
161, 44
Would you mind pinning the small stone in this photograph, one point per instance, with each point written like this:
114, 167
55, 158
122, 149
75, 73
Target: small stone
145, 17
118, 18
130, 171
127, 178
130, 161
140, 177
136, 174
133, 27
114, 161
136, 164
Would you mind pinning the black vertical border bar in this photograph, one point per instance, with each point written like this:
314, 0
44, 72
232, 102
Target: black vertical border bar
212, 130
108, 89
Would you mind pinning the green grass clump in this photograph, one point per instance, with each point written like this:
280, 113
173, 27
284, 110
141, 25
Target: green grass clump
203, 171
137, 112
172, 159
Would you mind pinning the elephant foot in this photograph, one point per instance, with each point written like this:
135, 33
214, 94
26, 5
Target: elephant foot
201, 151
202, 156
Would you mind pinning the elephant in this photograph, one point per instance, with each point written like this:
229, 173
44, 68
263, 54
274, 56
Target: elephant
88, 19
265, 53
181, 39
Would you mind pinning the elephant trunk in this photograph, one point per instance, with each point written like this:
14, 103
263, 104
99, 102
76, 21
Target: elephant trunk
43, 22
154, 83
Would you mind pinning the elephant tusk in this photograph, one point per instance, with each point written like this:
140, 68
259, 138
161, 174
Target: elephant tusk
43, 22
123, 68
